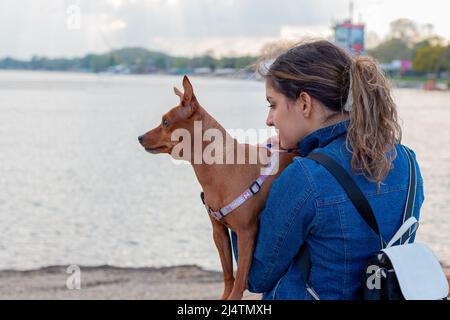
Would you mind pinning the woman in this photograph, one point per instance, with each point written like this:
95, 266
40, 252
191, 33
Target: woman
324, 100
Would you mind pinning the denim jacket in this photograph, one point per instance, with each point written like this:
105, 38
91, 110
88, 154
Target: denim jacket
307, 206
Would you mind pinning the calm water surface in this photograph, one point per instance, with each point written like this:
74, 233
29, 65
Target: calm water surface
76, 187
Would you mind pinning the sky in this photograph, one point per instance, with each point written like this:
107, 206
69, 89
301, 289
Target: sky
71, 28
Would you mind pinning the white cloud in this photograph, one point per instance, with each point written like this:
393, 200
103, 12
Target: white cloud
191, 26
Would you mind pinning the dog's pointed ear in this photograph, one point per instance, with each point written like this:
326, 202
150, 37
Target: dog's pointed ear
188, 90
189, 101
178, 92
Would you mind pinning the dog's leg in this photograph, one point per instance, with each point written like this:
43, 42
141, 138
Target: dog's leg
246, 242
223, 245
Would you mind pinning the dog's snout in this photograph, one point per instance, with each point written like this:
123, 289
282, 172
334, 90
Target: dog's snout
140, 138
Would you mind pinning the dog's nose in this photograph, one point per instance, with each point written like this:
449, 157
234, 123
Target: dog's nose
140, 138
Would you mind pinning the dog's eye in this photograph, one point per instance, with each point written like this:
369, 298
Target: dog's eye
165, 123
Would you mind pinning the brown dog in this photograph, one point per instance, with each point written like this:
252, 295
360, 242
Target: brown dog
221, 183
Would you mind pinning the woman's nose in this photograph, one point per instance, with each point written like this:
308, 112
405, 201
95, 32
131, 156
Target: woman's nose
269, 121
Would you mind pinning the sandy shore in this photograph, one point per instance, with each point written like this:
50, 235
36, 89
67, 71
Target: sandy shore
105, 282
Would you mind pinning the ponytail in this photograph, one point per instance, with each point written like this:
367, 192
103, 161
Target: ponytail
373, 130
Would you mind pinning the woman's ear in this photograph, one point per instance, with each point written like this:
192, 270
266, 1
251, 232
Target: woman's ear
305, 102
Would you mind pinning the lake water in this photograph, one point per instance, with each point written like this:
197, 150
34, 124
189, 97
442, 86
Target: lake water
77, 188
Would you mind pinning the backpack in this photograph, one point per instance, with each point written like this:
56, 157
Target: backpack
400, 270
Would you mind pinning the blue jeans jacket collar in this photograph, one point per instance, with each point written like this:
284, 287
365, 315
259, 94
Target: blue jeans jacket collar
322, 137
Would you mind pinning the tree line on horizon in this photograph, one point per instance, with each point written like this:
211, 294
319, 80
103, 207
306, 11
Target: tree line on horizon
138, 60
428, 55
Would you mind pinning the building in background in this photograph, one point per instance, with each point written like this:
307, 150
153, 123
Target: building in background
350, 35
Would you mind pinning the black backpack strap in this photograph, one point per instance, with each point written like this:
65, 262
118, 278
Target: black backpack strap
411, 196
353, 191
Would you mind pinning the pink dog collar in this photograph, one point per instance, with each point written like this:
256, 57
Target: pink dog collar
248, 193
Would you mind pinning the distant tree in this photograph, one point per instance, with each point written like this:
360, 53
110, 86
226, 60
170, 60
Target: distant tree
245, 62
405, 29
446, 58
180, 62
204, 61
97, 62
161, 63
429, 41
431, 59
10, 63
393, 49
227, 62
